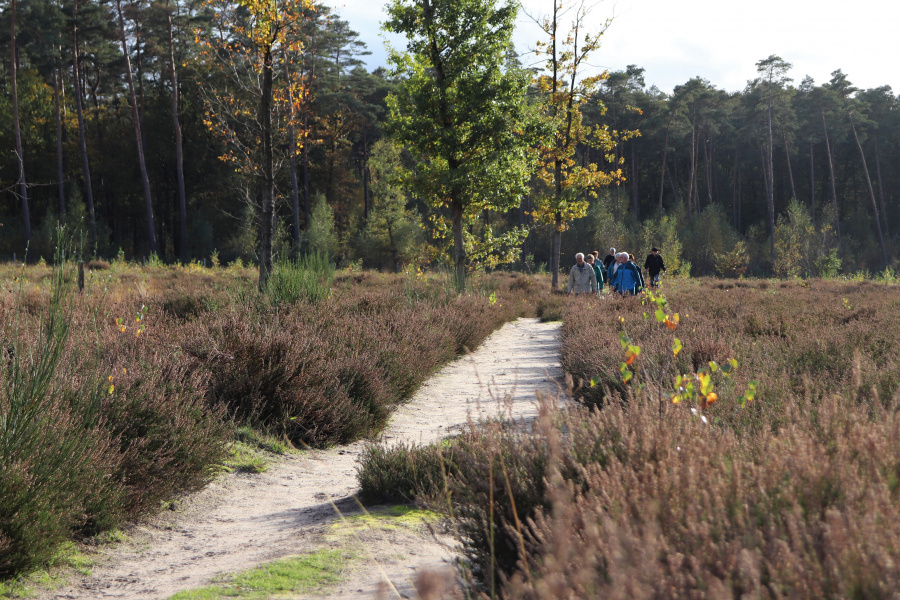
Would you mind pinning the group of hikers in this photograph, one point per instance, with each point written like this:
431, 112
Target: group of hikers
618, 270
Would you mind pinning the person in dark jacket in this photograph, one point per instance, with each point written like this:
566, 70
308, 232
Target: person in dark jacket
610, 259
654, 265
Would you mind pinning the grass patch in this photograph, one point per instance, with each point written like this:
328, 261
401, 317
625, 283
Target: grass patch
253, 451
306, 573
68, 558
383, 518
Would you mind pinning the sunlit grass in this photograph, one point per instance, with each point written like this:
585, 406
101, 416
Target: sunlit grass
306, 573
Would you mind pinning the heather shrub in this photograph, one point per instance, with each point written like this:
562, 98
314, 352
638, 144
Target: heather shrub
779, 479
402, 474
323, 373
54, 456
98, 422
136, 383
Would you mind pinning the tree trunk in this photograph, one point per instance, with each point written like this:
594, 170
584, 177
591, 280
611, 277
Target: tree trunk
17, 132
884, 215
292, 149
862, 156
145, 179
635, 199
267, 224
459, 250
557, 234
708, 168
662, 172
557, 249
672, 182
179, 153
734, 187
837, 216
812, 183
85, 164
770, 183
61, 186
787, 156
692, 176
306, 202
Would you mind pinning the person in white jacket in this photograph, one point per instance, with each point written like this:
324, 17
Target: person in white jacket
581, 278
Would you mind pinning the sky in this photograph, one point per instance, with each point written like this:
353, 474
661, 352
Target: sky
719, 40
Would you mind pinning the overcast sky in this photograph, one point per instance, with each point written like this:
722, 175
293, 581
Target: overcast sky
719, 40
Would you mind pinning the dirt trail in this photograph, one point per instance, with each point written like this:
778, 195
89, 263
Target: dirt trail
243, 520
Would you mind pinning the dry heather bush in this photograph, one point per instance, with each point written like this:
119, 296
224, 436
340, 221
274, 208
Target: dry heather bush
787, 340
796, 494
331, 372
129, 418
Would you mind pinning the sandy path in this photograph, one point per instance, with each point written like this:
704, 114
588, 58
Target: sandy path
244, 520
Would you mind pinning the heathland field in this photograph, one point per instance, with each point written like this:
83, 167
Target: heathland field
728, 436
121, 397
733, 437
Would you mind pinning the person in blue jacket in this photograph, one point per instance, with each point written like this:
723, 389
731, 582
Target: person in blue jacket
611, 272
627, 280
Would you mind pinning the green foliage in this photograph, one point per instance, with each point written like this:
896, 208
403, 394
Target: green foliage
461, 109
305, 278
392, 236
801, 248
320, 237
733, 263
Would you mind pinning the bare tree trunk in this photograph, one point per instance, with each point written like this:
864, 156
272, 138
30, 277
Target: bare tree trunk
61, 185
734, 185
884, 215
672, 182
691, 178
708, 169
292, 149
662, 172
85, 164
862, 156
812, 183
267, 224
837, 216
787, 156
306, 202
145, 179
770, 182
557, 249
179, 152
635, 198
458, 248
20, 156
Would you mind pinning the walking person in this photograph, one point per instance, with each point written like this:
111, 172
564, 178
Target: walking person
627, 278
611, 271
591, 259
610, 258
654, 265
582, 279
639, 272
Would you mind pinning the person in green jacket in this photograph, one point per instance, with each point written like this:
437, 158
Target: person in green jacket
598, 271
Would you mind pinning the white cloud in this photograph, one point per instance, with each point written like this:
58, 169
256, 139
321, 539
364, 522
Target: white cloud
720, 40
